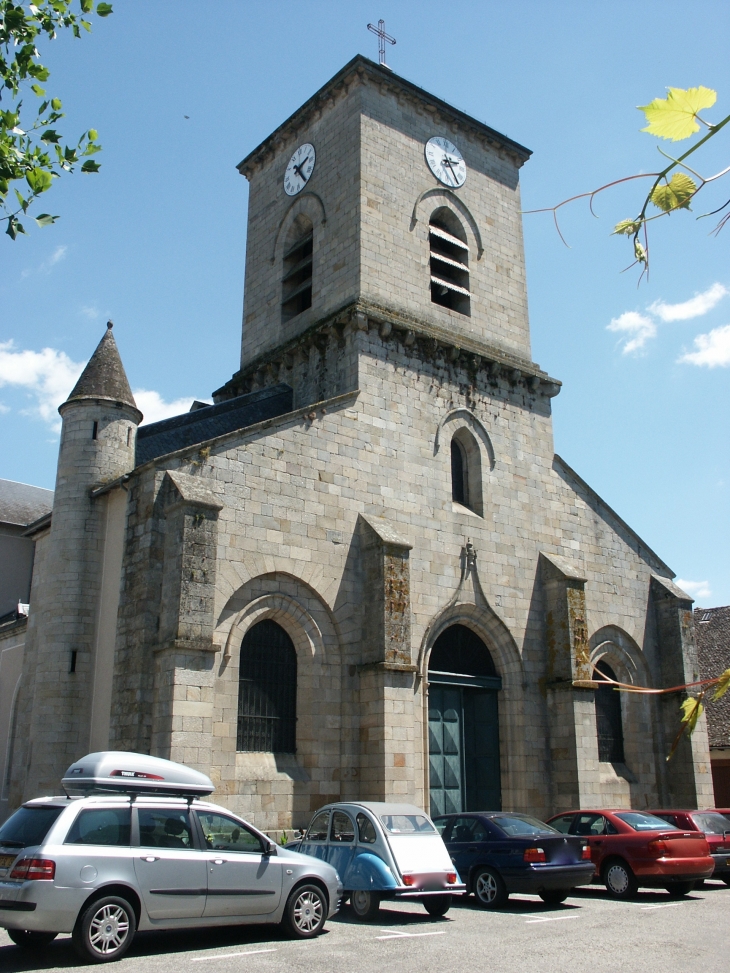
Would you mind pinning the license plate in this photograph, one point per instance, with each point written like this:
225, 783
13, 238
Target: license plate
6, 860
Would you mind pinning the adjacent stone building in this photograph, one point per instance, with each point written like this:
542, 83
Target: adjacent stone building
712, 626
362, 572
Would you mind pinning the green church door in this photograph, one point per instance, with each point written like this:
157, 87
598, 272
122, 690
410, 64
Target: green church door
463, 724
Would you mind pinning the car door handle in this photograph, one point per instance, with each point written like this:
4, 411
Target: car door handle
150, 858
219, 861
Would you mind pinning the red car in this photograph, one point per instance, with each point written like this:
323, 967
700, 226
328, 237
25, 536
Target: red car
634, 848
716, 829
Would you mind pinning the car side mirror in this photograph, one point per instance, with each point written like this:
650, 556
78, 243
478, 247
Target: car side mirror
269, 848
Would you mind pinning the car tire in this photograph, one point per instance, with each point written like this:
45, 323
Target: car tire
619, 880
489, 889
437, 905
365, 905
29, 939
306, 912
679, 889
554, 896
726, 879
105, 929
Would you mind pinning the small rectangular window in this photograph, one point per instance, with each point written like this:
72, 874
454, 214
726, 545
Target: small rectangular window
102, 826
297, 279
94, 429
164, 829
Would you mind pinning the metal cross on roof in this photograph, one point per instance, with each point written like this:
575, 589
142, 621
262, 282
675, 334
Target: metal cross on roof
382, 38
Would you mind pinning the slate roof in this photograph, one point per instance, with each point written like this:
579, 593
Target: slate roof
22, 504
104, 376
169, 435
712, 632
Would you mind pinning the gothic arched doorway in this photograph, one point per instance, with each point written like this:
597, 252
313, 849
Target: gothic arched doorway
463, 724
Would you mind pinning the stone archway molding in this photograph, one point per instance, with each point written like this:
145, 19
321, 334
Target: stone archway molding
620, 651
297, 202
474, 424
458, 204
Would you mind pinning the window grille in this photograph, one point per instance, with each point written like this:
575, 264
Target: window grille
449, 259
458, 474
297, 279
609, 726
267, 690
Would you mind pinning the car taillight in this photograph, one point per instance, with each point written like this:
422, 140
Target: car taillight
408, 879
534, 855
657, 847
586, 856
451, 878
29, 869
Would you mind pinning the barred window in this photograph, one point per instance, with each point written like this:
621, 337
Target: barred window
267, 690
608, 719
449, 261
297, 277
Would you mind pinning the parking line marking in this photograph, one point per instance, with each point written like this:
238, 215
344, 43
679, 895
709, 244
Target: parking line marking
551, 919
249, 952
395, 934
664, 905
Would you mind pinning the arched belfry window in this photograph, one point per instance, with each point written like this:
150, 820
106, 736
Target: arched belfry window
449, 261
466, 472
267, 690
296, 295
608, 719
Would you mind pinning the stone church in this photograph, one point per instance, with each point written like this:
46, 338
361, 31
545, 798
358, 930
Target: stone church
362, 572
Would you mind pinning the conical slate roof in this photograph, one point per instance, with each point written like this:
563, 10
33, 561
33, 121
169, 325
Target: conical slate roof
104, 376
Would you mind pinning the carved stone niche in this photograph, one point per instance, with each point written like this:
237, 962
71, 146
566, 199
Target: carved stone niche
386, 638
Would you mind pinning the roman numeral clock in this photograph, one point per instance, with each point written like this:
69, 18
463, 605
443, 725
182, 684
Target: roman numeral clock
300, 169
445, 162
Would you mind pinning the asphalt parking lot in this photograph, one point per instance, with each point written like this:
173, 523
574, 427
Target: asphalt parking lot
589, 933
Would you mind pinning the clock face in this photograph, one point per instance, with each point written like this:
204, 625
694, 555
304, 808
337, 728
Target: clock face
446, 162
299, 170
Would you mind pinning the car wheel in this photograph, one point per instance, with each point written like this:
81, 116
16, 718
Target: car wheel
105, 929
726, 879
678, 889
437, 905
619, 880
554, 896
489, 888
365, 905
29, 939
306, 912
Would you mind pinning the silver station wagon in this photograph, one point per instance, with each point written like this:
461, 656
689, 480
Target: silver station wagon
133, 846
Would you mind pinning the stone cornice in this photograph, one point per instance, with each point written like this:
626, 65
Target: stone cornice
361, 70
424, 341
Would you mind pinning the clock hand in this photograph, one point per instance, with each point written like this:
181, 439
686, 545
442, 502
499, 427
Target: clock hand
298, 169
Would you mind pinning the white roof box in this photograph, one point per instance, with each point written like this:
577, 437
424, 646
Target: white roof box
134, 773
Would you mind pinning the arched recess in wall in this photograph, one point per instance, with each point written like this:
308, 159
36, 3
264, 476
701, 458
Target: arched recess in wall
471, 457
614, 650
307, 203
429, 199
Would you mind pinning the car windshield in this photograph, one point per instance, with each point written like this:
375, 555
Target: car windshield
28, 826
407, 823
711, 823
522, 825
645, 822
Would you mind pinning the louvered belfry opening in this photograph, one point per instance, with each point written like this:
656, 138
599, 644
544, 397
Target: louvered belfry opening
449, 259
297, 278
267, 690
609, 725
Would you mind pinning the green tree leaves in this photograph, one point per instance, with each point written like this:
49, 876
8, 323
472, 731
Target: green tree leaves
31, 150
674, 194
675, 117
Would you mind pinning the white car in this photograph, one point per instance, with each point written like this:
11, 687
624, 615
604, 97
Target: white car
133, 846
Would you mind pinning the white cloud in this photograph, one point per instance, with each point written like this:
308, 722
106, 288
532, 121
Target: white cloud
154, 407
698, 589
635, 328
711, 349
90, 312
694, 308
58, 254
48, 377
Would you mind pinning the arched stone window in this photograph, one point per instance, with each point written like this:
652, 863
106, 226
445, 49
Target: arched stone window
608, 719
449, 261
267, 690
296, 295
466, 471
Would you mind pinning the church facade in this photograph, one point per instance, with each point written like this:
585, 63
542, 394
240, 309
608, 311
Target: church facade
362, 573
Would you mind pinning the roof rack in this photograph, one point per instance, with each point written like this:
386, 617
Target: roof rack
120, 772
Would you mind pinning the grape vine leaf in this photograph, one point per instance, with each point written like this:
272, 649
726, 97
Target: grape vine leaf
675, 194
674, 117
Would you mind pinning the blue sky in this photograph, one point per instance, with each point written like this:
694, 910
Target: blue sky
156, 241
